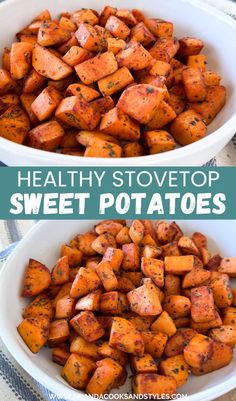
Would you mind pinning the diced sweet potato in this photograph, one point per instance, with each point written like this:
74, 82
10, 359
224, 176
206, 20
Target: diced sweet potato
172, 284
115, 82
214, 102
198, 350
198, 61
141, 102
178, 265
49, 65
102, 242
114, 256
143, 364
74, 255
97, 67
222, 293
228, 266
85, 92
33, 82
164, 115
98, 147
60, 355
6, 82
188, 127
37, 278
84, 243
89, 38
82, 347
34, 331
175, 367
125, 337
85, 16
189, 46
108, 226
211, 78
113, 303
76, 55
187, 246
117, 27
229, 316
77, 371
133, 150
221, 356
89, 302
105, 377
107, 276
151, 383
115, 45
136, 231
165, 49
203, 308
40, 306
159, 28
60, 272
51, 33
58, 332
158, 141
10, 99
154, 269
65, 307
14, 124
46, 103
106, 351
46, 136
20, 59
86, 325
205, 326
145, 300
134, 56
155, 343
27, 100
164, 324
85, 281
78, 113
177, 306
194, 84
116, 123
175, 344
195, 277
131, 260
224, 334
140, 33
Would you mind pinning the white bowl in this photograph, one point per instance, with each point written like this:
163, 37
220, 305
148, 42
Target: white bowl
43, 243
191, 18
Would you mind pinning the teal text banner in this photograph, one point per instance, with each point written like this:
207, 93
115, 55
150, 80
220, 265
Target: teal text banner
113, 193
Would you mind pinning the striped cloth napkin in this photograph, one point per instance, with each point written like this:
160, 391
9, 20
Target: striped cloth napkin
15, 383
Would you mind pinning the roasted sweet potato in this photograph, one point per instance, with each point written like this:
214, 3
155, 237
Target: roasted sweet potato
188, 127
125, 337
86, 325
151, 383
98, 147
158, 141
117, 27
74, 255
115, 257
202, 304
145, 300
82, 347
154, 269
177, 306
115, 82
77, 371
134, 56
60, 272
105, 351
189, 46
175, 367
178, 265
97, 67
224, 334
34, 332
85, 281
222, 293
65, 307
228, 266
46, 103
164, 324
20, 59
155, 343
105, 377
143, 364
165, 49
198, 350
221, 356
48, 64
46, 136
58, 332
37, 278
107, 276
102, 242
40, 306
116, 123
60, 354
194, 84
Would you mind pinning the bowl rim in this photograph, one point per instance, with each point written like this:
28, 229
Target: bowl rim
31, 368
175, 154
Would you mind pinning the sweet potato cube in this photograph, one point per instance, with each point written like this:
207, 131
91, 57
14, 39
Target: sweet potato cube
175, 344
115, 257
151, 383
190, 46
89, 302
140, 33
178, 265
158, 141
82, 347
10, 98
143, 364
188, 127
177, 306
40, 306
222, 356
98, 147
105, 377
84, 243
107, 276
76, 55
20, 59
194, 84
60, 355
125, 337
198, 351
6, 82
115, 45
115, 82
87, 137
60, 292
108, 352
155, 343
164, 115
195, 278
74, 255
110, 303
164, 324
206, 326
103, 105
108, 226
141, 101
58, 332
46, 103
51, 33
85, 16
175, 367
86, 325
66, 23
161, 68
222, 293
21, 127
154, 269
102, 242
224, 334
96, 68
159, 28
34, 331
131, 260
65, 307
85, 92
172, 284
78, 370
187, 246
202, 308
164, 49
211, 78
37, 278
49, 65
116, 123
27, 100
228, 266
136, 231
46, 136
60, 272
133, 149
33, 82
145, 300
89, 38
134, 56
198, 61
214, 102
117, 27
85, 281
78, 113
6, 59
229, 316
